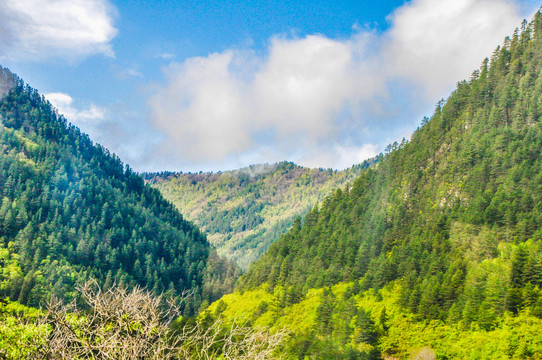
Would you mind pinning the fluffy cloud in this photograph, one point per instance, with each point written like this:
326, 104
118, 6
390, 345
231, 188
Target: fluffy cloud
205, 91
436, 43
302, 85
232, 104
132, 138
321, 101
338, 156
64, 104
69, 29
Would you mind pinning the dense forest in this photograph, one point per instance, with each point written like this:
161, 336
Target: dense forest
437, 248
246, 210
70, 210
433, 251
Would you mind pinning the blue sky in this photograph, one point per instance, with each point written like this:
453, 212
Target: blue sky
194, 85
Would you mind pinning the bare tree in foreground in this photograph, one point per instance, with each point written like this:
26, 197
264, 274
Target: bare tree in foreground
228, 342
126, 324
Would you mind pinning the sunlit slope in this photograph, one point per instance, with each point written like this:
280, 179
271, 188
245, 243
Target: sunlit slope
448, 225
244, 211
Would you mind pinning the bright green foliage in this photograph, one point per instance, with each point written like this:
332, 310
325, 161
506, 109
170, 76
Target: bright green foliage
246, 210
456, 212
70, 210
19, 330
342, 322
123, 324
441, 240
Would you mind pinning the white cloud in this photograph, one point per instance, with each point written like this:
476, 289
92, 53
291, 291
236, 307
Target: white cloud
303, 84
231, 103
321, 101
131, 138
127, 72
202, 109
437, 43
165, 56
339, 156
64, 104
69, 29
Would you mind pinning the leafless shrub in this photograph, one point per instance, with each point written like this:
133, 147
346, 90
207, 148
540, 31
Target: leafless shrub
235, 341
120, 324
126, 324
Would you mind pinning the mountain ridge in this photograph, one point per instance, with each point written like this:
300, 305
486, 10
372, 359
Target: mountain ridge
443, 234
243, 211
71, 210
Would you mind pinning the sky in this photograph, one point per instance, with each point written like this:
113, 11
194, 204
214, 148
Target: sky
213, 86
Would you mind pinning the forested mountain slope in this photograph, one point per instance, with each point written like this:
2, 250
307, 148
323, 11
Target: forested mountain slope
70, 210
443, 234
244, 211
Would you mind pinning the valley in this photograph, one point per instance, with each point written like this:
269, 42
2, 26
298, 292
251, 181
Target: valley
244, 211
430, 250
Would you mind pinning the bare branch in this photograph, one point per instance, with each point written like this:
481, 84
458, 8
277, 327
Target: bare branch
124, 324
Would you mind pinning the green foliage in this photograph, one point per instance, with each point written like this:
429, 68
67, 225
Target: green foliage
70, 210
456, 212
342, 322
245, 211
440, 241
124, 324
18, 330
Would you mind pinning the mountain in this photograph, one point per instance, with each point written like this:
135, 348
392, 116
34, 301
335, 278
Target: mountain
246, 210
71, 210
434, 252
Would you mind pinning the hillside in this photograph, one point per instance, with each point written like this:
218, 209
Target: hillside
435, 250
70, 210
245, 211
